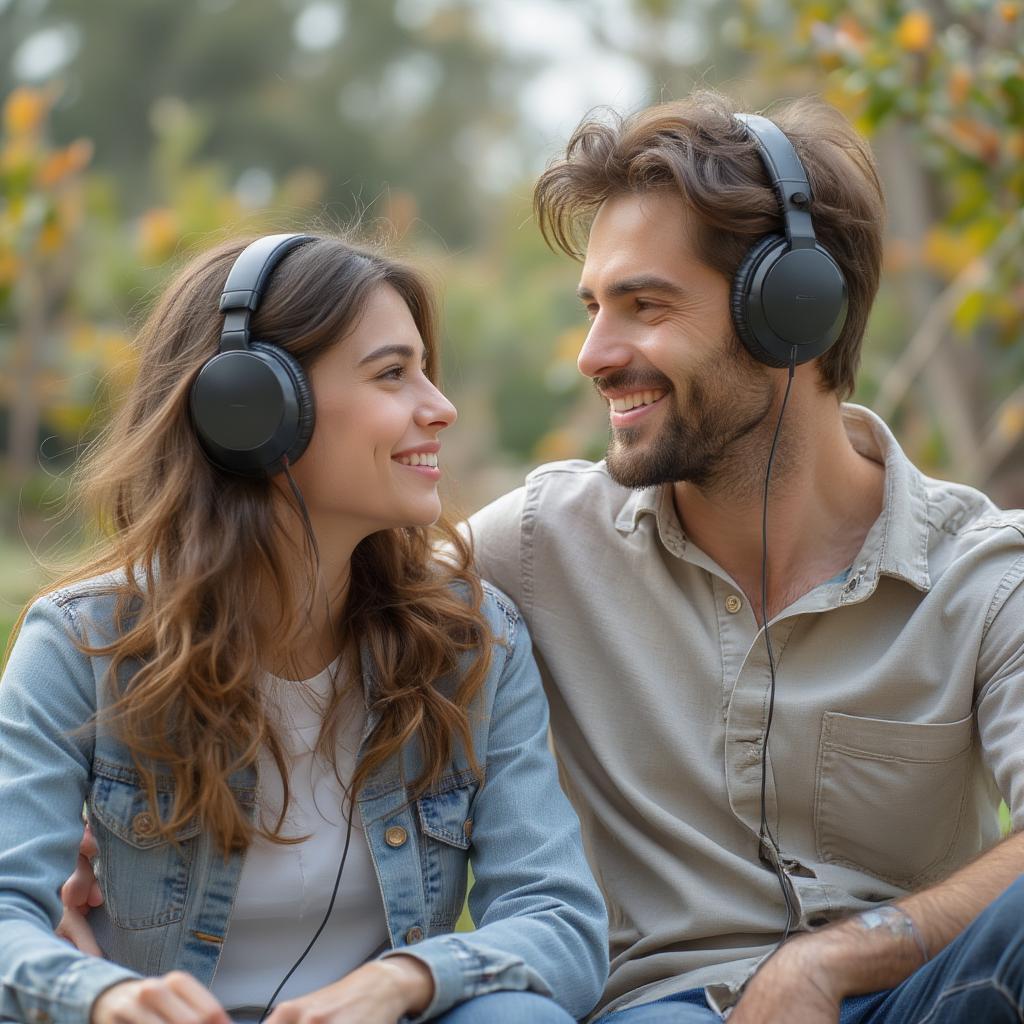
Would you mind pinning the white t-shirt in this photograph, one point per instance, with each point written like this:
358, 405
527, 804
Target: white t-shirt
283, 891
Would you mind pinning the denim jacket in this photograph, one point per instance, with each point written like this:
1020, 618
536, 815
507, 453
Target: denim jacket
541, 923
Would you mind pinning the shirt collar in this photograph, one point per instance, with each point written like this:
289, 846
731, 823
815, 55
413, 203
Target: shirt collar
897, 543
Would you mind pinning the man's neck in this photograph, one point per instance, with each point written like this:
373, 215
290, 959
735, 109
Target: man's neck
823, 498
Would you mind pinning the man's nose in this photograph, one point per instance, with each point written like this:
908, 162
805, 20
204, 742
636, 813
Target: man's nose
603, 350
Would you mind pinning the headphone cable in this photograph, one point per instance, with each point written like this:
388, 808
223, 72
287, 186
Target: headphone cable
311, 537
323, 923
765, 836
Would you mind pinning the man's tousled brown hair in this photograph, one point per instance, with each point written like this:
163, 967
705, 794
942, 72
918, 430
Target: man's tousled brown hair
186, 546
695, 147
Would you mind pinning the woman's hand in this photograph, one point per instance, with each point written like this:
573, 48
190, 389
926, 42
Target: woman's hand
79, 894
175, 998
379, 992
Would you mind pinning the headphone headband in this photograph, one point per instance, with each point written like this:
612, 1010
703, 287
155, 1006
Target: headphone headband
789, 179
247, 279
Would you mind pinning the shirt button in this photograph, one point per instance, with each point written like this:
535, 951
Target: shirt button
396, 836
467, 828
733, 604
413, 935
143, 824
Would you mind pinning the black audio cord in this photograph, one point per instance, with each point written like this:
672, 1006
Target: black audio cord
323, 923
765, 834
311, 536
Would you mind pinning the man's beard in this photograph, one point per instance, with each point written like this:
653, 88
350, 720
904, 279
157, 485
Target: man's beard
725, 401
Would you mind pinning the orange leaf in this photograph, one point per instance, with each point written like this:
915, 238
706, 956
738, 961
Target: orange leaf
960, 80
976, 138
159, 231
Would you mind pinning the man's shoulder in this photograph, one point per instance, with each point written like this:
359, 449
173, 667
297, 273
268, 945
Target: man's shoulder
963, 512
585, 486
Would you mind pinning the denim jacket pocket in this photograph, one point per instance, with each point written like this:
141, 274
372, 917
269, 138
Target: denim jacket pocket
889, 796
144, 877
447, 827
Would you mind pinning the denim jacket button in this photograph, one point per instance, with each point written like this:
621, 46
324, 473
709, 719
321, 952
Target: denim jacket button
467, 828
413, 935
143, 824
396, 836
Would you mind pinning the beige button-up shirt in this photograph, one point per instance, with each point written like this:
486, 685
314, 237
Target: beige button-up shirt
899, 714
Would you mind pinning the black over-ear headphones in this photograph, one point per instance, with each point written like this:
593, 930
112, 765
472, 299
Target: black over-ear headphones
788, 292
252, 406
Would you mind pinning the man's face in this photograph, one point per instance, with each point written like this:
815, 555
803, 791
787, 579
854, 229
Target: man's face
682, 391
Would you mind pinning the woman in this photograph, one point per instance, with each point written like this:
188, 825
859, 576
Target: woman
286, 719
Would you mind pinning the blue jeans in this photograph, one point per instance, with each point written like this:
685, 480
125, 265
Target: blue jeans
977, 979
506, 1008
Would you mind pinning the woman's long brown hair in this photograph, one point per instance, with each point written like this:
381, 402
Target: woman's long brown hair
189, 547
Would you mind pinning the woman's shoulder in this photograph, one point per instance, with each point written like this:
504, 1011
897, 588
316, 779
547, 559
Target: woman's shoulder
495, 605
86, 604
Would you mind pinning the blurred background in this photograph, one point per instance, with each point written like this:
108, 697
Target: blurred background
137, 132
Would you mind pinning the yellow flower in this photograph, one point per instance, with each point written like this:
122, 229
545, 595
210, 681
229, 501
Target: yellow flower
51, 238
24, 111
914, 33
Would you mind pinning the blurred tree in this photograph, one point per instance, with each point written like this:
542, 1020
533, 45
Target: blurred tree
41, 214
939, 88
382, 95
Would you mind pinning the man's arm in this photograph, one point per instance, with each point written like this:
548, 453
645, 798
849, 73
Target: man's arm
807, 979
867, 955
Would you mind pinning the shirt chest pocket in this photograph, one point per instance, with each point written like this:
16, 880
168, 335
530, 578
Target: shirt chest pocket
889, 796
446, 825
144, 878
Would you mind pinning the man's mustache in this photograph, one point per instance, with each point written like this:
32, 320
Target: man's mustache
631, 380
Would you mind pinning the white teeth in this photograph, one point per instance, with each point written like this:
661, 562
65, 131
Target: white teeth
418, 460
638, 398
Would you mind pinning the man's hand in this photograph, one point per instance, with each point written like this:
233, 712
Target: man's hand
791, 987
79, 894
175, 998
376, 993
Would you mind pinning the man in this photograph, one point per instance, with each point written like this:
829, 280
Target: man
894, 605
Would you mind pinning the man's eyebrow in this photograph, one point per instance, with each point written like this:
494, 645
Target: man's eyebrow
385, 351
640, 283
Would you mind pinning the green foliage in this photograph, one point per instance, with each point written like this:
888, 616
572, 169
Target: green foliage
940, 87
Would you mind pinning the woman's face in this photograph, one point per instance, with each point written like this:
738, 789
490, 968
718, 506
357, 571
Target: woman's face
372, 462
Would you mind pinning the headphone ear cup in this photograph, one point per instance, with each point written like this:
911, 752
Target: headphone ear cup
740, 297
303, 395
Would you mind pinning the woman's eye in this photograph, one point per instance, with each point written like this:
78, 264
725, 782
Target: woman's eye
393, 373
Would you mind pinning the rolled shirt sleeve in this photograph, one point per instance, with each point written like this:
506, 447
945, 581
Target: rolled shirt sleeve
1000, 702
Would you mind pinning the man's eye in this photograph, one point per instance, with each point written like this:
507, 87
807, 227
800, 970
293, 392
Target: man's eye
642, 305
591, 309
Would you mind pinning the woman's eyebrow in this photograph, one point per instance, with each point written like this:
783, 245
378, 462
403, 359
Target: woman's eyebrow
385, 351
